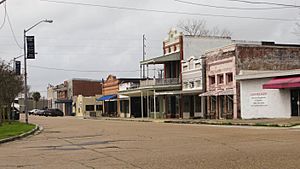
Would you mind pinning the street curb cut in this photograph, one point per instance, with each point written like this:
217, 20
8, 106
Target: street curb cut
31, 132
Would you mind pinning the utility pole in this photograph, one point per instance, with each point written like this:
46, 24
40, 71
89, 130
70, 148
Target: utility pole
144, 54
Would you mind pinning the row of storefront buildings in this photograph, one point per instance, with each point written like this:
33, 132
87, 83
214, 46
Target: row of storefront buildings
202, 77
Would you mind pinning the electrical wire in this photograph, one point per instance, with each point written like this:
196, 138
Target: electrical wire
12, 31
167, 12
230, 7
4, 19
84, 71
265, 3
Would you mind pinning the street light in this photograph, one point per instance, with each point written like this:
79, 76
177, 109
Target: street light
25, 67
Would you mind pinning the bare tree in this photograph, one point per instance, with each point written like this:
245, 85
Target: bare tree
199, 28
10, 86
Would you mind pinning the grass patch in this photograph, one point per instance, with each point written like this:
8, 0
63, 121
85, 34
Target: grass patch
14, 129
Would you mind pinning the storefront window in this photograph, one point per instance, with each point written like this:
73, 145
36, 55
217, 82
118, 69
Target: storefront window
90, 108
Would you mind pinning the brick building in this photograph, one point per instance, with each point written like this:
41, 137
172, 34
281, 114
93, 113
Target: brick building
63, 96
224, 64
114, 102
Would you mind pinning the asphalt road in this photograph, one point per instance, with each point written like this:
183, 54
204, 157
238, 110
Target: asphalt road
68, 142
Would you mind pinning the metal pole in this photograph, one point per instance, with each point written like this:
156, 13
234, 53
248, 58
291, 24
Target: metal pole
144, 54
25, 81
142, 104
154, 104
148, 111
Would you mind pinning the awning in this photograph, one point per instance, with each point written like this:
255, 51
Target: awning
162, 59
226, 92
209, 93
107, 97
283, 83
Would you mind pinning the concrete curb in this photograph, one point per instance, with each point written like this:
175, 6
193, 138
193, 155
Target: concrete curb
31, 132
257, 124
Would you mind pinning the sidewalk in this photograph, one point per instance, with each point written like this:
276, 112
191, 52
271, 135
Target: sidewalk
290, 122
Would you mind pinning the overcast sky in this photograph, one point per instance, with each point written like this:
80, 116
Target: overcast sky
110, 40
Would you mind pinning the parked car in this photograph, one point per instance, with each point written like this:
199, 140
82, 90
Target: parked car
53, 112
33, 111
40, 113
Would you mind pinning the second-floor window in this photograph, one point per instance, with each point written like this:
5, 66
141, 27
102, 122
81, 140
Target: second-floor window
212, 80
220, 79
198, 83
192, 84
229, 77
185, 85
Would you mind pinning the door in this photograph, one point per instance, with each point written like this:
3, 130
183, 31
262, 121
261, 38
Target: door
295, 102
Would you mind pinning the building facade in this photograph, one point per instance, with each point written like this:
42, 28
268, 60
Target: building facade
88, 106
269, 94
64, 96
224, 64
192, 86
115, 104
162, 97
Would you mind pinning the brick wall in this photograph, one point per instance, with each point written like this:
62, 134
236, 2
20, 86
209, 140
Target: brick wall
267, 57
86, 88
111, 85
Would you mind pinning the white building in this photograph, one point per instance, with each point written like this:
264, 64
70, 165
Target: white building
192, 86
273, 94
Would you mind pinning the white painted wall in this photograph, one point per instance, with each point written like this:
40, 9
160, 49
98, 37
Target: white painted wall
277, 102
197, 46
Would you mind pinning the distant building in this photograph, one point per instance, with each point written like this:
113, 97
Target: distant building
88, 106
63, 96
115, 104
41, 104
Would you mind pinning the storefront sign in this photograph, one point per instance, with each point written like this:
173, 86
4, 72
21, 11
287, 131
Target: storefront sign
259, 99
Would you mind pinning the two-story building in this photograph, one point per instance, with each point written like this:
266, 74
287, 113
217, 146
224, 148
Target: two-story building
225, 63
162, 97
115, 104
64, 96
192, 86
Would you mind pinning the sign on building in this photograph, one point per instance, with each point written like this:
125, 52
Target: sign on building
30, 47
259, 99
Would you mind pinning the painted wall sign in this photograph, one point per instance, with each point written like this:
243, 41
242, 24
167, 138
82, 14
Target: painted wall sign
259, 99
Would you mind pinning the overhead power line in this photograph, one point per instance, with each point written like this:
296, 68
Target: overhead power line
265, 3
167, 12
11, 28
230, 7
84, 71
5, 13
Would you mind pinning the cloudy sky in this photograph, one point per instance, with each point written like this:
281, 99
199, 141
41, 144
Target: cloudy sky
98, 37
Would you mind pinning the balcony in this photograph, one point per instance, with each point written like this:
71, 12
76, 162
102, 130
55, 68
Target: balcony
160, 82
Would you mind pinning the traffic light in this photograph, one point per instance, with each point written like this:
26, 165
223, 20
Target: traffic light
18, 67
30, 47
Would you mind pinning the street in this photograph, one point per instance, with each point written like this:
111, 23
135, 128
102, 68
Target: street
69, 142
